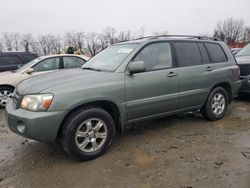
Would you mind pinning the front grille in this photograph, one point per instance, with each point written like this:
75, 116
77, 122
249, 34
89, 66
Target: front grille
17, 99
244, 69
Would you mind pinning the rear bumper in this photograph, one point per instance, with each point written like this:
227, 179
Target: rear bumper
245, 88
41, 126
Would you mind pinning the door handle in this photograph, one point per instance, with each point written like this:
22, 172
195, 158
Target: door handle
172, 74
209, 69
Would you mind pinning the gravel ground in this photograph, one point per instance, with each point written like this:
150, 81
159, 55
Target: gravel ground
180, 151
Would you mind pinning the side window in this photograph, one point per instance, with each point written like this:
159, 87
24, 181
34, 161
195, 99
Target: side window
47, 64
216, 53
9, 60
204, 55
187, 53
156, 56
72, 62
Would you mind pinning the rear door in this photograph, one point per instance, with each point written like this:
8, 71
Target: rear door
195, 78
154, 92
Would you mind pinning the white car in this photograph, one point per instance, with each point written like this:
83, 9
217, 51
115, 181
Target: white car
40, 65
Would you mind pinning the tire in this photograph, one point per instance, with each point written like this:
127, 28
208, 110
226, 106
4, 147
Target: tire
216, 104
5, 93
88, 133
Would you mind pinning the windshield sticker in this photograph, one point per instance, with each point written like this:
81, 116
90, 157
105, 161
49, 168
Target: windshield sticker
125, 50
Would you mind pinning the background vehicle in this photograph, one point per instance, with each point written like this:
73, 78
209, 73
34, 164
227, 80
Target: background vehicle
243, 60
13, 60
123, 84
235, 50
40, 65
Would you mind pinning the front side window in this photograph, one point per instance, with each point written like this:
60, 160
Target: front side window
156, 56
216, 53
72, 62
47, 65
188, 54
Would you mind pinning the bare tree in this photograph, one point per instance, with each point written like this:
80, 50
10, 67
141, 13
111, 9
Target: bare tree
74, 39
16, 40
1, 46
229, 30
247, 34
109, 35
26, 41
8, 40
47, 43
124, 36
93, 43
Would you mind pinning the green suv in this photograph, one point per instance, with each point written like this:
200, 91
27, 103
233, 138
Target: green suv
125, 83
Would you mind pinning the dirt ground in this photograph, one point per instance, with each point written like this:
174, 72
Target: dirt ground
181, 151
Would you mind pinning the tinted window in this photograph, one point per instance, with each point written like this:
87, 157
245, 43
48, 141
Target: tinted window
216, 53
9, 60
156, 56
47, 64
72, 62
28, 57
188, 54
204, 55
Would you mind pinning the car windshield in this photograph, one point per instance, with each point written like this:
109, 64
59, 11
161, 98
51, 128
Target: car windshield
27, 65
244, 51
110, 58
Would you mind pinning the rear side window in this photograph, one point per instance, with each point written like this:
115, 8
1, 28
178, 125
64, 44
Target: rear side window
216, 53
187, 53
204, 55
9, 60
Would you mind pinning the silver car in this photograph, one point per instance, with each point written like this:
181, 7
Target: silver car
40, 65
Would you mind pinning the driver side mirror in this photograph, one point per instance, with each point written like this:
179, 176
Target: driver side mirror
29, 70
136, 67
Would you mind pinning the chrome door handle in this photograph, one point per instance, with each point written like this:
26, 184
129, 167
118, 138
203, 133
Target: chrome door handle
209, 69
172, 74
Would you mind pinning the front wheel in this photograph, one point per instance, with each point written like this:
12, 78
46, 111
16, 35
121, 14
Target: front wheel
88, 133
5, 94
216, 104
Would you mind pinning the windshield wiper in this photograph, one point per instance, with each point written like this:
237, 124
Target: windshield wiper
91, 68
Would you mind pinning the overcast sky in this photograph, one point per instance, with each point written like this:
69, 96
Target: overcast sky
176, 16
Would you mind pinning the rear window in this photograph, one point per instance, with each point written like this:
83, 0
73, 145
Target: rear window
216, 53
187, 53
9, 60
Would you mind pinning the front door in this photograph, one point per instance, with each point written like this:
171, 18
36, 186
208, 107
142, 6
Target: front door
155, 91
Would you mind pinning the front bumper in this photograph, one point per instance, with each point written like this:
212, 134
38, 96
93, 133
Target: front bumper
245, 88
41, 126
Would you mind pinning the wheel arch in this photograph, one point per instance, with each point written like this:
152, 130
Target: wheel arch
227, 87
7, 85
109, 106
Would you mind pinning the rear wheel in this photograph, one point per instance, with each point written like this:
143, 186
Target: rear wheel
216, 104
5, 94
88, 133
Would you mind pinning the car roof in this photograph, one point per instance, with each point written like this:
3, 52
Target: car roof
65, 55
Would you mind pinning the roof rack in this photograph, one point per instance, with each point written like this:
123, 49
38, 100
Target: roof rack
185, 36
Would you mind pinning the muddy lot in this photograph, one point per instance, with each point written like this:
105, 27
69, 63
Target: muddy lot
180, 151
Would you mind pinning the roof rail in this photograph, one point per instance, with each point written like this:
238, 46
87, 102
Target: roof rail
185, 36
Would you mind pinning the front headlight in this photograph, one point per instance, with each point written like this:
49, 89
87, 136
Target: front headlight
38, 102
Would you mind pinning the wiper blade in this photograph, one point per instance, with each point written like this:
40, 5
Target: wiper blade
90, 68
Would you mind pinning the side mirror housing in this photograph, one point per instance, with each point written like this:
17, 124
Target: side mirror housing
29, 70
136, 67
